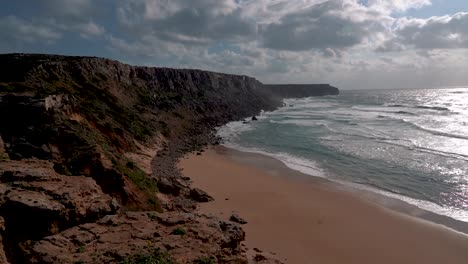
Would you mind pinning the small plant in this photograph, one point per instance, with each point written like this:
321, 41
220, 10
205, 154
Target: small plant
4, 157
9, 89
157, 257
204, 260
178, 231
152, 216
140, 179
62, 169
80, 249
130, 165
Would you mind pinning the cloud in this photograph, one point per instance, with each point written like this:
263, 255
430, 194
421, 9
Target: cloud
19, 30
90, 29
76, 16
275, 40
336, 24
390, 6
68, 8
189, 22
442, 32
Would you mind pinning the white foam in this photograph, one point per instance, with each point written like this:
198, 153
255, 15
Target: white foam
313, 169
457, 214
233, 130
301, 122
296, 163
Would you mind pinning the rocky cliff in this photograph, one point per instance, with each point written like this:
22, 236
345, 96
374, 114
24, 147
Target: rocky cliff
88, 152
300, 90
88, 148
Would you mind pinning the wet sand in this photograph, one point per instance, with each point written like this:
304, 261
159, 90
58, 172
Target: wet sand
303, 219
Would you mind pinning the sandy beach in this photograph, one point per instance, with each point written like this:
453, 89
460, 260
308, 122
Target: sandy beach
307, 220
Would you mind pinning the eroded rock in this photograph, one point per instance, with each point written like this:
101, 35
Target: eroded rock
237, 219
3, 258
200, 196
36, 202
115, 238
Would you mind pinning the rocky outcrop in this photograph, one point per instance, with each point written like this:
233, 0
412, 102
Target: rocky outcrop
114, 239
83, 113
76, 139
300, 90
35, 202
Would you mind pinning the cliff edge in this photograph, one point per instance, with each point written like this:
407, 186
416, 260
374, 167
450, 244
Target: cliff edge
88, 152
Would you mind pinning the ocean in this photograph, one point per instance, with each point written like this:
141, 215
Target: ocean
406, 144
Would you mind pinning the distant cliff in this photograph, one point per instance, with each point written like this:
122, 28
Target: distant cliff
300, 90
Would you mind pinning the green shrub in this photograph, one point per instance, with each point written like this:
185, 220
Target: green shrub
8, 89
80, 249
137, 176
141, 180
157, 257
204, 260
4, 156
178, 231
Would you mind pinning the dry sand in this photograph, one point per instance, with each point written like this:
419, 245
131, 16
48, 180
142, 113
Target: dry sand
305, 220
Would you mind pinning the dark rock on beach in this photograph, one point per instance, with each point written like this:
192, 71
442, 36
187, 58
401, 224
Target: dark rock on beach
200, 196
237, 219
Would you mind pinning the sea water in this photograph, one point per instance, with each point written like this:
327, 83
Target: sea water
407, 144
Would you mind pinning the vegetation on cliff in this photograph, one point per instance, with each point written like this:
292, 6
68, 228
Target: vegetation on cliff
101, 120
88, 147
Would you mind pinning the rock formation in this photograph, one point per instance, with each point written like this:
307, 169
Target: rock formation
88, 153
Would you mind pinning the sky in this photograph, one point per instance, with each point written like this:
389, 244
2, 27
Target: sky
351, 44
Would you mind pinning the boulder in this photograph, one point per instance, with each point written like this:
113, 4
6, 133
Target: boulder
200, 196
36, 202
237, 219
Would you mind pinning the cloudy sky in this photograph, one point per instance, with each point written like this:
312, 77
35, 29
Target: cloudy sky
352, 44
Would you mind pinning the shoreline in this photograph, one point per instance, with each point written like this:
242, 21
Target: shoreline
393, 202
306, 219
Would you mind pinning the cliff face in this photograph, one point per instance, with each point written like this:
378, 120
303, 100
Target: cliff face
300, 90
83, 138
160, 88
89, 147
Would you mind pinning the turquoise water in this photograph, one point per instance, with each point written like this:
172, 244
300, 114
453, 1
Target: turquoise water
407, 144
